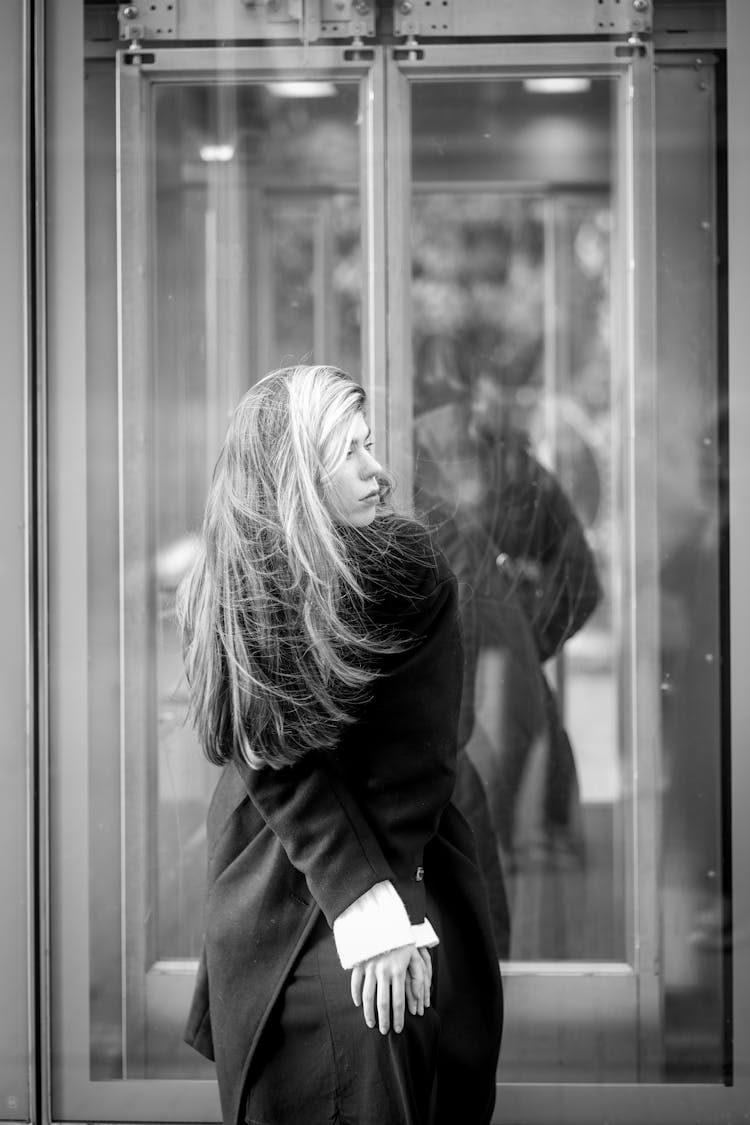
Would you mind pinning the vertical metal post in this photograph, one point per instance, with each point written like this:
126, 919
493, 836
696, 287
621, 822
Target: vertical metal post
738, 188
376, 373
37, 664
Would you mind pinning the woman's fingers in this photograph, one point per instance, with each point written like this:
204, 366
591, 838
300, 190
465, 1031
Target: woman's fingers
392, 1008
369, 994
416, 974
411, 999
380, 985
357, 981
426, 956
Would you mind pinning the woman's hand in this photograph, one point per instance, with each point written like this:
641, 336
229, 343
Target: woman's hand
386, 983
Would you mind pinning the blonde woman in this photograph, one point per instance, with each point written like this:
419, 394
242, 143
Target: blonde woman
348, 972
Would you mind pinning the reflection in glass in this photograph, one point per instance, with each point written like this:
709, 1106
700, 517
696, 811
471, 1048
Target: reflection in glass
520, 461
276, 226
257, 256
519, 412
512, 412
253, 247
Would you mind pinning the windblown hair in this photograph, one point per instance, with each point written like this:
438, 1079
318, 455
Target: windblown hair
277, 650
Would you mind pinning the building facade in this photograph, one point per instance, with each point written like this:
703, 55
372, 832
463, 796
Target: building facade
522, 226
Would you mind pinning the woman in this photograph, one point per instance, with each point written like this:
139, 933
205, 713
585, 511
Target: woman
324, 661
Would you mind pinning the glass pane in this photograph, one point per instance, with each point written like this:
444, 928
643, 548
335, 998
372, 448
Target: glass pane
513, 416
522, 460
693, 543
253, 260
257, 212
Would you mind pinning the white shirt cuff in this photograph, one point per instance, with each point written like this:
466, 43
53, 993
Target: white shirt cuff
424, 935
376, 923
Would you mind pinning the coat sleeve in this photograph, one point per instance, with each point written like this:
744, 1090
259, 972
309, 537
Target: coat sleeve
363, 815
409, 743
321, 828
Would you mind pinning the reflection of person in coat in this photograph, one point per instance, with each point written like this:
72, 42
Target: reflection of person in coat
325, 662
542, 562
464, 555
533, 582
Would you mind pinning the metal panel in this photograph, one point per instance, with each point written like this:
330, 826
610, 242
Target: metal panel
400, 410
253, 64
738, 188
538, 18
304, 20
67, 545
74, 1095
682, 16
15, 653
690, 25
375, 251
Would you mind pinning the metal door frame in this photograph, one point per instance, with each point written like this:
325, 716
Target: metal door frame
21, 593
60, 374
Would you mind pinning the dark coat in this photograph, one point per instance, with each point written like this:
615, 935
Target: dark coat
286, 844
527, 516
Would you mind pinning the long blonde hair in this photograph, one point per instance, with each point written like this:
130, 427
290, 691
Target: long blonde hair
277, 653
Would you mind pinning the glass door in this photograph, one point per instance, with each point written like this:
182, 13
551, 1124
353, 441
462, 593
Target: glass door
246, 202
473, 231
241, 200
531, 425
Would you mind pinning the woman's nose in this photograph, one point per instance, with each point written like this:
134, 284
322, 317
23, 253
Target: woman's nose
369, 465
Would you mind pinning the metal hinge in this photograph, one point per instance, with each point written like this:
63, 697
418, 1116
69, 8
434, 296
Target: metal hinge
232, 20
529, 18
148, 19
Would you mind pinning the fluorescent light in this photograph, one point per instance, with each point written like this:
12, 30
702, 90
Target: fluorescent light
301, 89
560, 85
217, 153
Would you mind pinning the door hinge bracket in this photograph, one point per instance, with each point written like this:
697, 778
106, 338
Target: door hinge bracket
536, 19
410, 51
245, 20
155, 20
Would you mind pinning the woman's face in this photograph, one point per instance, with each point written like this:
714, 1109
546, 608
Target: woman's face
353, 494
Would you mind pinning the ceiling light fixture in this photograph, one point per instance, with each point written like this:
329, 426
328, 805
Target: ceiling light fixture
217, 154
559, 85
301, 89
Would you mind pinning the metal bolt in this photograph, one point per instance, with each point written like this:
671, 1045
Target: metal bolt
361, 7
130, 12
640, 5
405, 7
